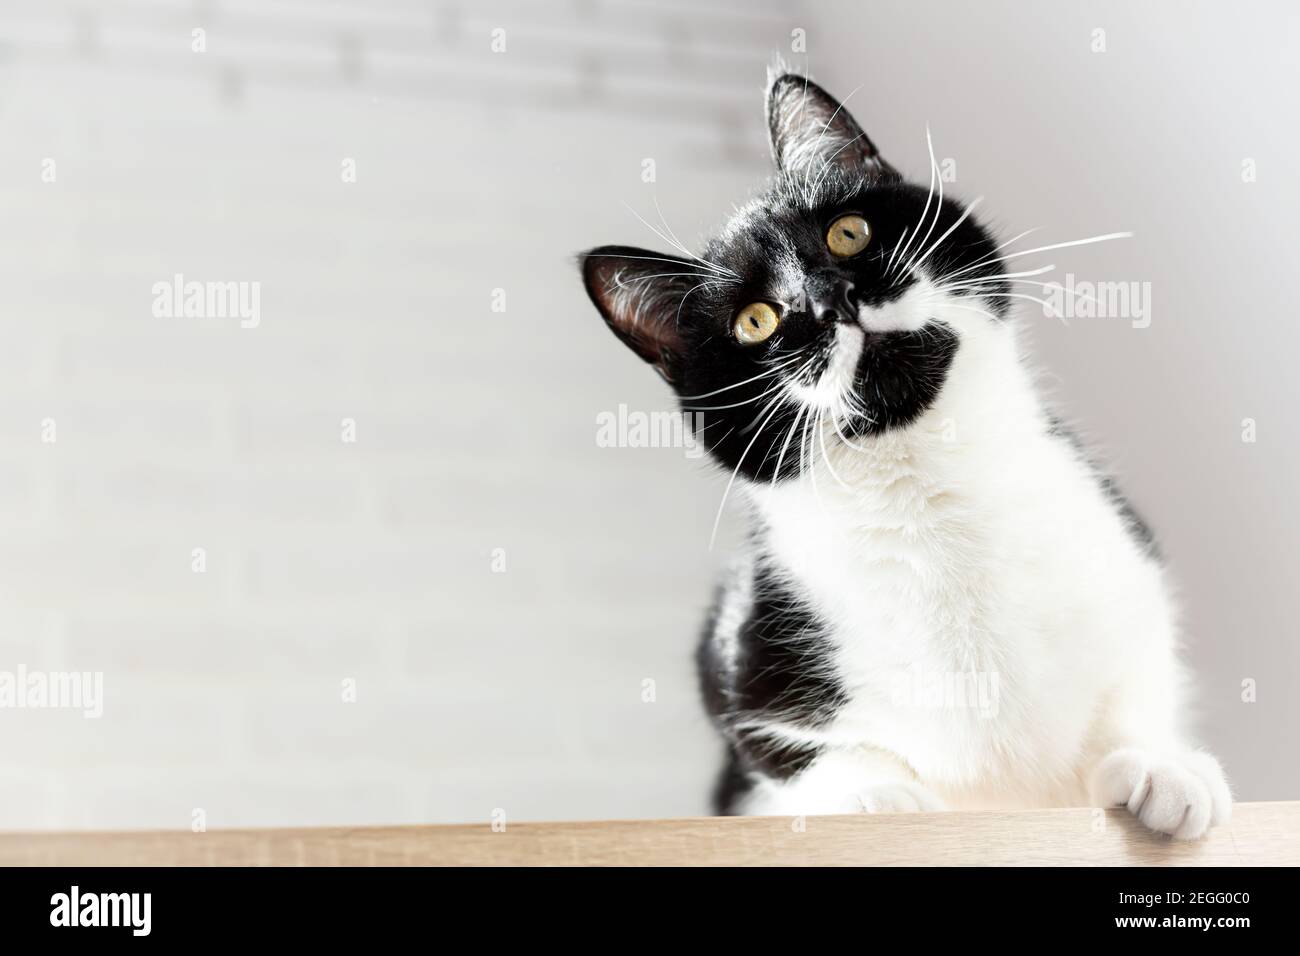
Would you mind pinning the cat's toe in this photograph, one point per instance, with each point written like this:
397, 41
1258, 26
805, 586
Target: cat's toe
1181, 796
898, 798
1205, 767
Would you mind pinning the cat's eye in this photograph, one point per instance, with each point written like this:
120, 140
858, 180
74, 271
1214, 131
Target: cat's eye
847, 236
755, 323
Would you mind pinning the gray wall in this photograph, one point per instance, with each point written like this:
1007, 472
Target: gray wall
373, 561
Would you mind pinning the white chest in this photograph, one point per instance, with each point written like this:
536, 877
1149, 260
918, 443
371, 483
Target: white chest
897, 567
927, 646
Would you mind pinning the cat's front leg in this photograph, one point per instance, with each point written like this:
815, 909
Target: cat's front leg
1181, 792
857, 780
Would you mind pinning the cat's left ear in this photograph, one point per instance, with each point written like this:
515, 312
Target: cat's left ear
810, 130
640, 294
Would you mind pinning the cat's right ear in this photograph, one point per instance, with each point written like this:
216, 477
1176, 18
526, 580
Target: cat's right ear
640, 295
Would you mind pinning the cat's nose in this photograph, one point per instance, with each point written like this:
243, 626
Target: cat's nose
829, 299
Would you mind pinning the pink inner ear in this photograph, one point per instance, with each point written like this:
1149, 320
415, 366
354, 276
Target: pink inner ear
639, 298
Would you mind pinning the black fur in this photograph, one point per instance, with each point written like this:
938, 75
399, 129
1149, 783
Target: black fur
731, 786
782, 671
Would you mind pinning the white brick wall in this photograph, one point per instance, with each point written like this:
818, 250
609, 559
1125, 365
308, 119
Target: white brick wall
326, 560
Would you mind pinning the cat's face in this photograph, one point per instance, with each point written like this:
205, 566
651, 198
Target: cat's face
833, 305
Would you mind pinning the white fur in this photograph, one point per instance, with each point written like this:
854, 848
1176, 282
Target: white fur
974, 542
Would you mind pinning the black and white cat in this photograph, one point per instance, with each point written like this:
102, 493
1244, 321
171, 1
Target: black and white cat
941, 603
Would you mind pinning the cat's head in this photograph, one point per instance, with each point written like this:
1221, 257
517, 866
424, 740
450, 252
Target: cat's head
836, 300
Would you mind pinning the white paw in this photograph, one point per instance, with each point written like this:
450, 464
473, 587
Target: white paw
898, 798
1182, 796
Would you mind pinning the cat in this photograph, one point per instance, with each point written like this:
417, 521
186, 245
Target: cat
940, 602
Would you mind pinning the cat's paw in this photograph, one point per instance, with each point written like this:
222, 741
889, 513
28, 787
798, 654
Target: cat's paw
898, 798
1182, 796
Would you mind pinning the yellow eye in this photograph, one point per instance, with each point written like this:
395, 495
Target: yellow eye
754, 323
848, 236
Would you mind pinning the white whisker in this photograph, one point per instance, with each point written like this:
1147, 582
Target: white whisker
749, 401
821, 437
1056, 245
786, 444
934, 172
726, 388
1000, 277
969, 209
1042, 285
721, 271
938, 207
713, 536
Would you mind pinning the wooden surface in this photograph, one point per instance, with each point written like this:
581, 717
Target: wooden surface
1260, 834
